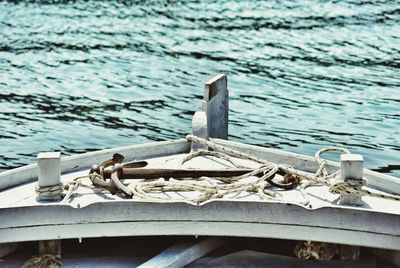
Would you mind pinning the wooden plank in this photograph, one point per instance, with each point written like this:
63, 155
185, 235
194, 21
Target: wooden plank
184, 253
201, 228
356, 226
78, 162
216, 106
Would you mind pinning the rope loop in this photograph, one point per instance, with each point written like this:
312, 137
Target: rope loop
262, 180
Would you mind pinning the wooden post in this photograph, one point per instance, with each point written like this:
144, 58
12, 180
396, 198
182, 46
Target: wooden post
184, 253
349, 253
51, 247
49, 167
199, 128
215, 105
351, 168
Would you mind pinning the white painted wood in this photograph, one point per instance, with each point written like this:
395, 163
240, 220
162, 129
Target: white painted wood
204, 228
78, 162
351, 168
376, 180
318, 196
49, 168
184, 253
216, 107
49, 173
375, 226
83, 161
353, 226
199, 128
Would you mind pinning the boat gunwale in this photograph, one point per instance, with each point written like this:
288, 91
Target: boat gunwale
102, 219
78, 162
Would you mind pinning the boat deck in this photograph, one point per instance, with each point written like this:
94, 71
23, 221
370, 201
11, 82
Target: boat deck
96, 213
319, 196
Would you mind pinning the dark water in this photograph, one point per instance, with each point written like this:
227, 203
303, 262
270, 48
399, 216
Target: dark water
78, 76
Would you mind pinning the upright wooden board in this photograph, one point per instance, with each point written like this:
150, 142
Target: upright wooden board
215, 105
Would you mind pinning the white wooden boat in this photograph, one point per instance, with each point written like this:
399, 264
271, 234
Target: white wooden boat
33, 206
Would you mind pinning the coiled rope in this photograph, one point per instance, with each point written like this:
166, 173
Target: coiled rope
49, 191
349, 187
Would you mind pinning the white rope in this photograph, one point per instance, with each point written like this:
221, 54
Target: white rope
353, 187
72, 186
226, 150
242, 155
212, 153
49, 190
320, 177
205, 188
45, 260
321, 162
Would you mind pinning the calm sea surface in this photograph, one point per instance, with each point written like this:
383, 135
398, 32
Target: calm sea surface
78, 76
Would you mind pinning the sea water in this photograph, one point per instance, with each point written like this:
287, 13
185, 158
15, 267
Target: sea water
78, 76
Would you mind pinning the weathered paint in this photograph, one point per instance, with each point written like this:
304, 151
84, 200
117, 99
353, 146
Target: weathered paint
220, 218
98, 216
216, 106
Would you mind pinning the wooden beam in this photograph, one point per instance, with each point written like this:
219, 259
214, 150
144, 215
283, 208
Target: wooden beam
215, 105
50, 247
184, 253
349, 253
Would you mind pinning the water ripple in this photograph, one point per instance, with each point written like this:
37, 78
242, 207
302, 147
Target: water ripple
78, 76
